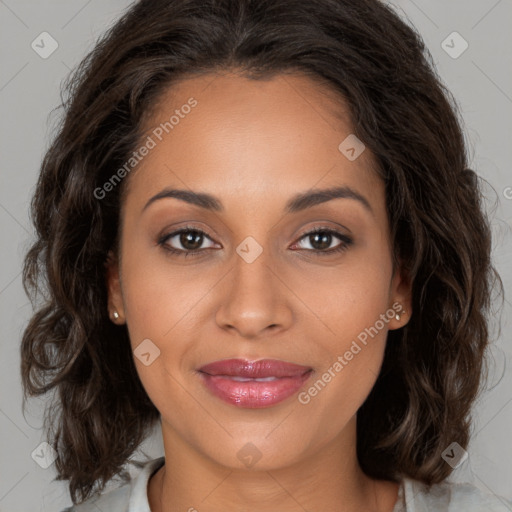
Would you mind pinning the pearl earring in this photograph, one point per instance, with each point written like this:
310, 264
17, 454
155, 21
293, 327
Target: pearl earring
399, 314
115, 314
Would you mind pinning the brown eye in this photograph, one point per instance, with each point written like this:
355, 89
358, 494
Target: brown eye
186, 241
191, 240
321, 241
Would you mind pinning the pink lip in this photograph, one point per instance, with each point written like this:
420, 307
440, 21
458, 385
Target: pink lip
218, 378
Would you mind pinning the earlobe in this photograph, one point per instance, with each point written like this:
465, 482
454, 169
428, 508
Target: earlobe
113, 283
401, 303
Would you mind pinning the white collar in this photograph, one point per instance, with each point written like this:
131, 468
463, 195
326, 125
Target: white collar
139, 494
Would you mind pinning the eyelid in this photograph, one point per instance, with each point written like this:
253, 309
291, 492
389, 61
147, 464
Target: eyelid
166, 236
325, 227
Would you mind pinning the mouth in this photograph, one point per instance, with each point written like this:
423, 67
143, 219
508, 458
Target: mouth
254, 384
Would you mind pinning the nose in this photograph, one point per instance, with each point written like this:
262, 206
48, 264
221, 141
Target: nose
254, 302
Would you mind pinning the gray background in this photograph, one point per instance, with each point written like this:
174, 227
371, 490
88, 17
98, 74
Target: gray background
480, 79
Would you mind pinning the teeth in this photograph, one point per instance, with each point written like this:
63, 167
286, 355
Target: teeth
246, 379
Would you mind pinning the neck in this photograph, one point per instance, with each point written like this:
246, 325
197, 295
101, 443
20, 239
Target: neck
328, 479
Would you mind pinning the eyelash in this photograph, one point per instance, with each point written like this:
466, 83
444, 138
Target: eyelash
346, 241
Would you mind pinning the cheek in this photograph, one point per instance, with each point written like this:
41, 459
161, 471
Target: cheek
344, 300
158, 307
351, 310
158, 296
351, 353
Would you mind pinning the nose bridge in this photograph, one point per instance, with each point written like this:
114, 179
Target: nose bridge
254, 298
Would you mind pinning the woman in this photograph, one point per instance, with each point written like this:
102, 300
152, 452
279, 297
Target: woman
257, 226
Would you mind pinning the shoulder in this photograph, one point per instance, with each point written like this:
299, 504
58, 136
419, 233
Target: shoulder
449, 497
116, 500
131, 496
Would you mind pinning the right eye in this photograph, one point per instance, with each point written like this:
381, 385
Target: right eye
190, 239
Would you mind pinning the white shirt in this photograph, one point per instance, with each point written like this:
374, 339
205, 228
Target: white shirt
413, 496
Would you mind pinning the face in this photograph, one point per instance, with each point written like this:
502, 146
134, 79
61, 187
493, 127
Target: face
263, 269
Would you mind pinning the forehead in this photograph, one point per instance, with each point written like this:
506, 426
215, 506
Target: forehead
267, 139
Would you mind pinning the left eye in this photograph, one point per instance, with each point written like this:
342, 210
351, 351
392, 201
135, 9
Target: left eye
320, 240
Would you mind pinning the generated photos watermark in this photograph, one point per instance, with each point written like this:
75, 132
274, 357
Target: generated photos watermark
151, 142
343, 360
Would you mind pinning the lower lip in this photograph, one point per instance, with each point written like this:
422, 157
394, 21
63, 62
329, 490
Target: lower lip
253, 394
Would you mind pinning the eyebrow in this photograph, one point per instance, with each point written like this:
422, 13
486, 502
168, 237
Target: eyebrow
297, 203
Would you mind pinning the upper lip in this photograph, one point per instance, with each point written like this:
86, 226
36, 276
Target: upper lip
254, 369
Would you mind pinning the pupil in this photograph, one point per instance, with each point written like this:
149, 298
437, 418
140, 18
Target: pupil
321, 241
187, 240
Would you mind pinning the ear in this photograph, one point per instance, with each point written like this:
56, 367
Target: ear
113, 282
400, 298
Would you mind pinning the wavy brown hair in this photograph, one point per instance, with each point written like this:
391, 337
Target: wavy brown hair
378, 64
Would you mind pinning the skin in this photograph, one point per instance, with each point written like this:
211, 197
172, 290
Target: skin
254, 145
